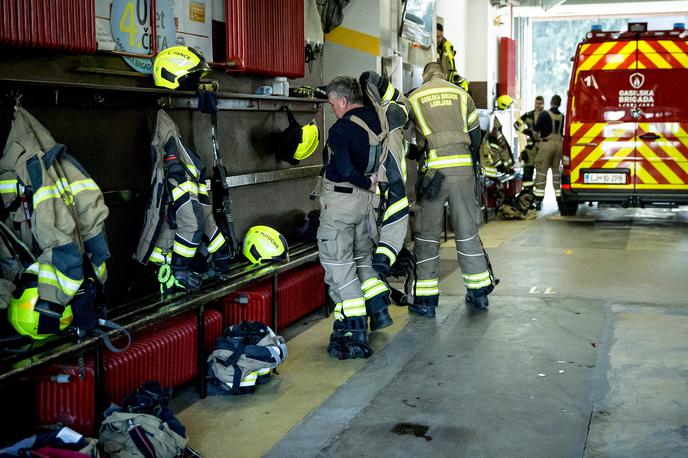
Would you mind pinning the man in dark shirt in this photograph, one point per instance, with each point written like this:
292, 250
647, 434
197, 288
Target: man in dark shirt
344, 241
549, 127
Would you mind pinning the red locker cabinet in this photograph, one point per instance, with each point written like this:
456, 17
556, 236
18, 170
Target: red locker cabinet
507, 66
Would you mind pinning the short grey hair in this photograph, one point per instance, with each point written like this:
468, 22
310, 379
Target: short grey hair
347, 87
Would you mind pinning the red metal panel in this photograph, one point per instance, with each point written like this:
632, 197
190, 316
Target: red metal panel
264, 38
300, 292
67, 403
507, 66
55, 24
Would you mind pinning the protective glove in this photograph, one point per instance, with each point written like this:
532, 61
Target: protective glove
187, 279
524, 156
84, 312
381, 265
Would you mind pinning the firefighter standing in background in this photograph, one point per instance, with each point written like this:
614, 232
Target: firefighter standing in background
445, 57
525, 125
549, 127
446, 121
344, 240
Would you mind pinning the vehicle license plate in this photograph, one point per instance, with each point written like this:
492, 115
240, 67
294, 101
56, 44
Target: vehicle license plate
604, 178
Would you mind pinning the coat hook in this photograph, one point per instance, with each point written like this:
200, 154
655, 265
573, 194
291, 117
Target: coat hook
17, 99
98, 97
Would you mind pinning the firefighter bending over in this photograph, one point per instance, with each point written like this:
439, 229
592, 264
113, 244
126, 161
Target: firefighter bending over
344, 241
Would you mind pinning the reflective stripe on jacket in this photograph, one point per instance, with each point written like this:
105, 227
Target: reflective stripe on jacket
66, 208
443, 115
178, 217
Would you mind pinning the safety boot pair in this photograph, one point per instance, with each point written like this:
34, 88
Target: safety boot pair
349, 338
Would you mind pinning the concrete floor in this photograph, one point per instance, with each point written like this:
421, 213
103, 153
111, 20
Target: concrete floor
582, 353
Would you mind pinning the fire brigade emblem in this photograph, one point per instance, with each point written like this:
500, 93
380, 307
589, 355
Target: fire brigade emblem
637, 80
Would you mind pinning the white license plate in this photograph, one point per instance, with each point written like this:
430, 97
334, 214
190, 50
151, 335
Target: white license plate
604, 178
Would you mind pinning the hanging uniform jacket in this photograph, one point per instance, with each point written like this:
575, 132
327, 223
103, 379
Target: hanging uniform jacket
495, 152
179, 215
64, 206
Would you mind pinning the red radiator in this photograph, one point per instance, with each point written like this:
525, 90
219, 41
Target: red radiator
266, 37
249, 304
165, 352
301, 291
67, 25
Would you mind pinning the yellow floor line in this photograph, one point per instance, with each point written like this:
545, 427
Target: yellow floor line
221, 426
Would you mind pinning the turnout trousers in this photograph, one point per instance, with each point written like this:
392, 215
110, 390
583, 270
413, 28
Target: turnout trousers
548, 157
345, 242
459, 191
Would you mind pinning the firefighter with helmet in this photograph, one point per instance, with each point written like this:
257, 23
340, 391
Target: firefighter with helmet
445, 57
446, 122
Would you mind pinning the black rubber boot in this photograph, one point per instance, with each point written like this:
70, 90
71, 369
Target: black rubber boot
477, 300
422, 310
424, 306
376, 308
349, 339
380, 320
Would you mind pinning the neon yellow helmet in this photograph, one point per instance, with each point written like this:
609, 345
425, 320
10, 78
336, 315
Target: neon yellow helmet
179, 67
309, 142
504, 102
26, 320
296, 142
263, 243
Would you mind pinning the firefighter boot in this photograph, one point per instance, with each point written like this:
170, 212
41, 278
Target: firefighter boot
424, 306
538, 203
477, 299
378, 313
349, 339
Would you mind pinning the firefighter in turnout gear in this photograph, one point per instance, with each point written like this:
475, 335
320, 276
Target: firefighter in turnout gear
445, 57
391, 203
179, 224
446, 120
548, 128
495, 153
525, 125
344, 238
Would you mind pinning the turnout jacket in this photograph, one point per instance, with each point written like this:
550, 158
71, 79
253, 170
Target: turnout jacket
53, 194
391, 203
443, 115
179, 216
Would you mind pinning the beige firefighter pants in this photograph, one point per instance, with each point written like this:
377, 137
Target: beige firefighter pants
459, 191
346, 248
548, 157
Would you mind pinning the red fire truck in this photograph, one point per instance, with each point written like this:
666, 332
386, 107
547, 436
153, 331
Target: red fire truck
626, 133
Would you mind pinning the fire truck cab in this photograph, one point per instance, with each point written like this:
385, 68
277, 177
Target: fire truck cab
626, 132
